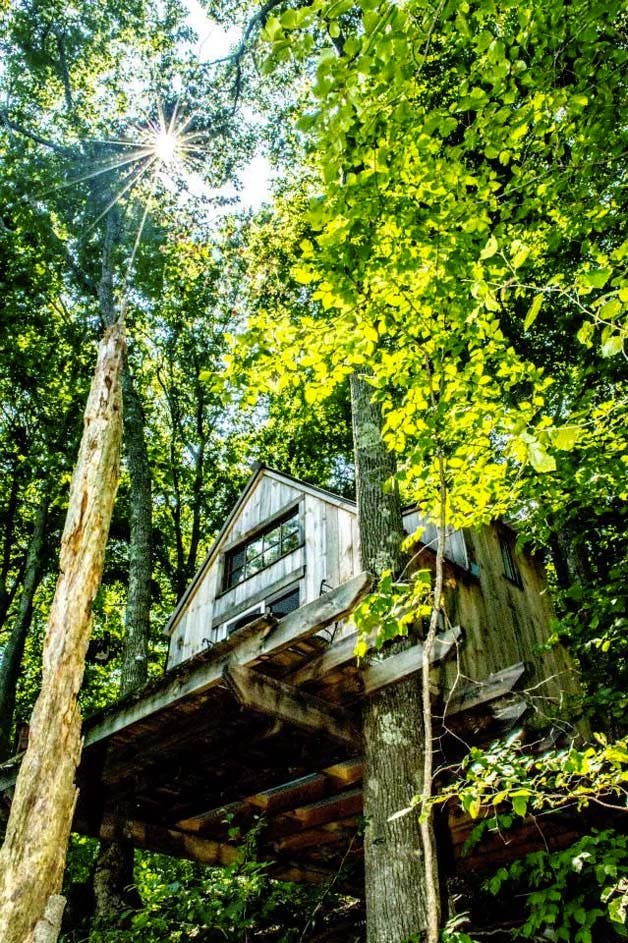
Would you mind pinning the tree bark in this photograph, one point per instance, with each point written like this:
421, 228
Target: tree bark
9, 514
33, 855
14, 650
394, 745
137, 614
113, 869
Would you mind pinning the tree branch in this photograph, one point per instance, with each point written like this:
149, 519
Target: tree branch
65, 75
236, 57
37, 138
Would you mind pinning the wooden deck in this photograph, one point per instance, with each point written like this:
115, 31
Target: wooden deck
262, 730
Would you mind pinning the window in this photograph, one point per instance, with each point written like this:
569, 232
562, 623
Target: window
263, 549
284, 604
511, 570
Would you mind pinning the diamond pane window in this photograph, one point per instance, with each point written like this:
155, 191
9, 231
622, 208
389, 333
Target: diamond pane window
263, 549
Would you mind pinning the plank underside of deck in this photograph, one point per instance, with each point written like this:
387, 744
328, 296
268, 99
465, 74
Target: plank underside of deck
262, 731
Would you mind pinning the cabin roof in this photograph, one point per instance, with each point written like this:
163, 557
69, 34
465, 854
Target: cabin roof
259, 471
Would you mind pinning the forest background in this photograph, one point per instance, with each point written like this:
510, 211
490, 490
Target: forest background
448, 220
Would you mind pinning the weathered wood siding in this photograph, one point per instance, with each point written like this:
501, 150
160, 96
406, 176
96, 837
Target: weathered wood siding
455, 546
329, 556
505, 623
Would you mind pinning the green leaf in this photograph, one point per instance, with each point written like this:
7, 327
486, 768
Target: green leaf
521, 254
533, 312
303, 275
539, 458
520, 805
585, 333
613, 345
289, 19
490, 248
597, 278
565, 437
610, 310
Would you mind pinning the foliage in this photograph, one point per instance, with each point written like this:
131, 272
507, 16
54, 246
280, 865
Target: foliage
506, 781
594, 872
463, 244
392, 609
183, 901
578, 894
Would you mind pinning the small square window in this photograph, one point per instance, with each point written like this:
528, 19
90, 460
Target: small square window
285, 604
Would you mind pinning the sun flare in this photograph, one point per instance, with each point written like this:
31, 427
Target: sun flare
166, 146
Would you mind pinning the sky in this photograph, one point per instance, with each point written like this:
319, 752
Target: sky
214, 42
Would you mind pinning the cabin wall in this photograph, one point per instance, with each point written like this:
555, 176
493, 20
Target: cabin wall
505, 623
329, 555
199, 622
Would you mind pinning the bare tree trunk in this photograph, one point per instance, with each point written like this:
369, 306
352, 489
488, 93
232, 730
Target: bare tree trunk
113, 869
394, 745
14, 650
33, 855
137, 615
7, 561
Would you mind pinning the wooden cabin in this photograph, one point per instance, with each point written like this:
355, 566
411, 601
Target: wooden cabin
287, 542
258, 712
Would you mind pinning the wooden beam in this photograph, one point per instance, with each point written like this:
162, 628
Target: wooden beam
482, 692
168, 841
334, 808
332, 834
338, 654
346, 773
197, 823
404, 664
305, 789
265, 695
284, 797
260, 641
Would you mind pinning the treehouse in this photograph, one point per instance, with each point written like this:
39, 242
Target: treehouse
287, 543
257, 717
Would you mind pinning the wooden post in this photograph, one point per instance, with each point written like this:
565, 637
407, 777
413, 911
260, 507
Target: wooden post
32, 858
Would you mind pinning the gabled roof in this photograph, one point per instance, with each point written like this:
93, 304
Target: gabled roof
260, 471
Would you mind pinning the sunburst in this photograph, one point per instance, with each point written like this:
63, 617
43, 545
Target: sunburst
148, 151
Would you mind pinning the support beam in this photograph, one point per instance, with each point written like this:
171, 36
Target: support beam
291, 795
482, 692
336, 833
206, 671
338, 654
342, 806
404, 664
168, 841
267, 696
177, 844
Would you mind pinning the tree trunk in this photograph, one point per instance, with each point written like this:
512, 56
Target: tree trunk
14, 650
395, 883
113, 869
33, 855
7, 561
137, 615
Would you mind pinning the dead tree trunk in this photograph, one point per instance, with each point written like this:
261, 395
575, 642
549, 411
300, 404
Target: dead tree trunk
33, 855
394, 744
113, 869
14, 650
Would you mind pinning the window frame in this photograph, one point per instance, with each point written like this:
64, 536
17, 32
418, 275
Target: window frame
259, 535
509, 564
